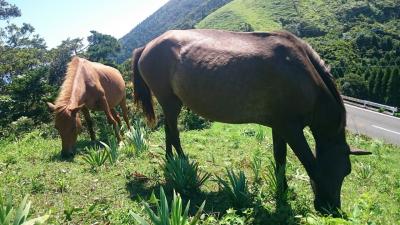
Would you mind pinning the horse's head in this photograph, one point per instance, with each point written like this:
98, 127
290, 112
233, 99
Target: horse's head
68, 124
332, 166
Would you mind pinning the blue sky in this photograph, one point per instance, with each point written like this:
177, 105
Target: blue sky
56, 20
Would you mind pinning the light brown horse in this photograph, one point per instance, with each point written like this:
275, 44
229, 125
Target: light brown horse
87, 85
274, 79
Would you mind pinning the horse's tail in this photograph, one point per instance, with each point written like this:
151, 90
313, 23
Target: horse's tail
141, 94
325, 74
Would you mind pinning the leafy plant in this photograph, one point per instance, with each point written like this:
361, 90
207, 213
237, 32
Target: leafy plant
165, 216
136, 137
21, 214
236, 189
183, 174
96, 157
112, 150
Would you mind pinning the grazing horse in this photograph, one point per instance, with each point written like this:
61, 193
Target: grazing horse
87, 85
273, 79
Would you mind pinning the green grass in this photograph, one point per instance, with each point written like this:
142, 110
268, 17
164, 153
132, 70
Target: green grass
71, 191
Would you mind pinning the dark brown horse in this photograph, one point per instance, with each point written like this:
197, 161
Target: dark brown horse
274, 79
87, 85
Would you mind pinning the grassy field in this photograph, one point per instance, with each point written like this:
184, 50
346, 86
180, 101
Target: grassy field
75, 194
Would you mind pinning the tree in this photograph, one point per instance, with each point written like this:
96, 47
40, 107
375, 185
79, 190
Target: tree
371, 83
61, 56
385, 82
102, 48
377, 91
393, 90
8, 11
353, 85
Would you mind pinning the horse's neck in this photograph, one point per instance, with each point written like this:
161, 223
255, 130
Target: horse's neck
78, 90
327, 119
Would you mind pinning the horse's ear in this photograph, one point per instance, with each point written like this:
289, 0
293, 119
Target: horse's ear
359, 152
51, 106
76, 109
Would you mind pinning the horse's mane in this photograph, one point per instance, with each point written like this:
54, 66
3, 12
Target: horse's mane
66, 88
323, 71
325, 74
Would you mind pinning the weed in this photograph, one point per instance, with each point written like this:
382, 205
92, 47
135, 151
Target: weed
364, 171
112, 150
62, 185
69, 211
136, 138
260, 134
236, 189
165, 216
96, 157
37, 186
183, 174
21, 214
256, 166
276, 179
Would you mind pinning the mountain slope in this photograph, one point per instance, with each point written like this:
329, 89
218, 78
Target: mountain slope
176, 14
357, 38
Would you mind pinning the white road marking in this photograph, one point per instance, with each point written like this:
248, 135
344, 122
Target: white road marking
381, 114
378, 127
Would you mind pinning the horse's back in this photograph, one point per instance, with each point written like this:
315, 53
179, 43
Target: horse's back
108, 82
229, 76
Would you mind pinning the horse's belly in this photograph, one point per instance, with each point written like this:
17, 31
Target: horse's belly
226, 103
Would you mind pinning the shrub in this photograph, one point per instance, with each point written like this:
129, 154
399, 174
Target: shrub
21, 214
183, 175
164, 216
191, 121
22, 125
236, 189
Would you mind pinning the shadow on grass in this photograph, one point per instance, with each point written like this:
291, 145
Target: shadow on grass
282, 214
217, 203
80, 149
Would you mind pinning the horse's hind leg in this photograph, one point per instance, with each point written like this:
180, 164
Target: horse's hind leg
280, 151
171, 109
116, 116
125, 112
89, 123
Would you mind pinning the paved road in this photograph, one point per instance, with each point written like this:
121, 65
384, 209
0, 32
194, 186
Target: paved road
373, 124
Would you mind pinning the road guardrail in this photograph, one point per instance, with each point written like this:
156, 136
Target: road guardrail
366, 104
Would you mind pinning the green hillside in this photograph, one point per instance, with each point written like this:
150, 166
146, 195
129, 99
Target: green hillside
360, 40
175, 14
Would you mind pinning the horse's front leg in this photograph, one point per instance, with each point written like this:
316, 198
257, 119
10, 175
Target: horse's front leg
110, 118
89, 122
280, 151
